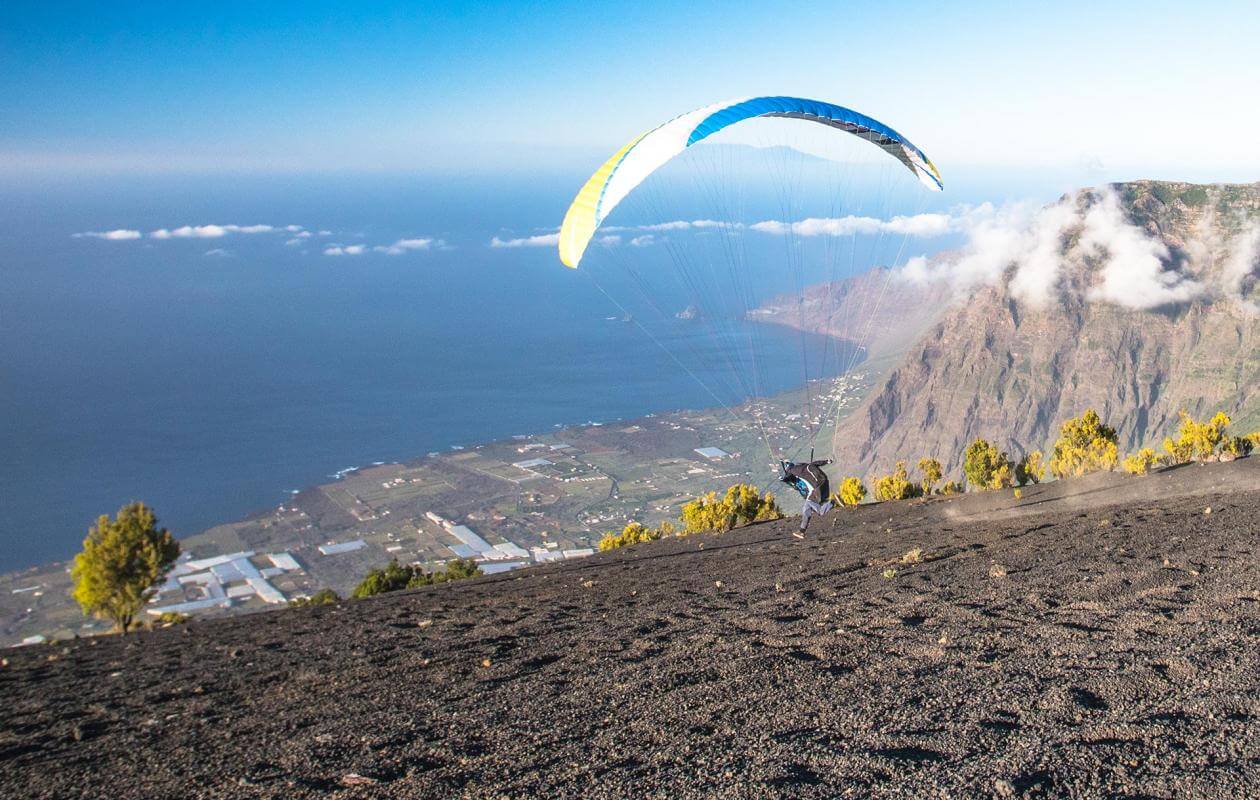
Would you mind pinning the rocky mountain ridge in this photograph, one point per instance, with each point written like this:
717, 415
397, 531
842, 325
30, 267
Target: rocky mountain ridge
1137, 299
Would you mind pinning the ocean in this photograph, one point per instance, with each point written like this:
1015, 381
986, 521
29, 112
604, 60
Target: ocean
209, 377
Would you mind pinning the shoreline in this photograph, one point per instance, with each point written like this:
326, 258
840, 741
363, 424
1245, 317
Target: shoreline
536, 497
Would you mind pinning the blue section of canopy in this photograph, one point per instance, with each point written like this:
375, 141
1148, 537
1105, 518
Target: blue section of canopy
792, 106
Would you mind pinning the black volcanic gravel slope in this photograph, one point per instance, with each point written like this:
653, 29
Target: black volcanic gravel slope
1098, 637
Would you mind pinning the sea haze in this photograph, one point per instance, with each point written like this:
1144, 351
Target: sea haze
210, 385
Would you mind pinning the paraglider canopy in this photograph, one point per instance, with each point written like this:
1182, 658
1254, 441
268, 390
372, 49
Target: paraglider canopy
632, 164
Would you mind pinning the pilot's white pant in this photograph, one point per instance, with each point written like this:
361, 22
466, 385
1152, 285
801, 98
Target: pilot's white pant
811, 508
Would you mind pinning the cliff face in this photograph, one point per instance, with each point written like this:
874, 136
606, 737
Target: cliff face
1137, 300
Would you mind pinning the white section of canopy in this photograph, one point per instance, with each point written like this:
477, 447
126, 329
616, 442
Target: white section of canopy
651, 153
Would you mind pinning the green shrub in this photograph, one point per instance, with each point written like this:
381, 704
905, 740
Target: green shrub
1196, 441
951, 487
457, 570
1194, 196
390, 578
395, 576
1237, 446
1084, 445
321, 598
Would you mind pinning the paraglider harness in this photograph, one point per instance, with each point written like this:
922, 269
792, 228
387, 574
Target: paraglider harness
808, 479
811, 482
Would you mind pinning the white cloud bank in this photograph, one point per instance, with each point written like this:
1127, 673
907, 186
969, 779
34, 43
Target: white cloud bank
119, 235
1241, 266
996, 240
1133, 273
190, 232
1127, 267
207, 231
683, 225
296, 235
398, 248
403, 246
345, 250
541, 240
919, 225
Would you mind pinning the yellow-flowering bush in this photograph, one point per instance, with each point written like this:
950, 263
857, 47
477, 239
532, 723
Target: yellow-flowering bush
852, 492
741, 505
1140, 462
896, 486
1196, 441
1085, 445
634, 533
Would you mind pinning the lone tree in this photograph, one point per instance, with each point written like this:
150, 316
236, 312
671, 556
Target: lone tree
123, 559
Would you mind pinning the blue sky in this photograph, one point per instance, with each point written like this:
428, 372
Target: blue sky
1143, 88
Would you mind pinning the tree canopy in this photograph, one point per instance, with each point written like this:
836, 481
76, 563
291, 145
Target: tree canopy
932, 474
122, 561
1030, 469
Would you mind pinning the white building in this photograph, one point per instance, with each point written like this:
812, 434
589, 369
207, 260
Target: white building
713, 453
341, 547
